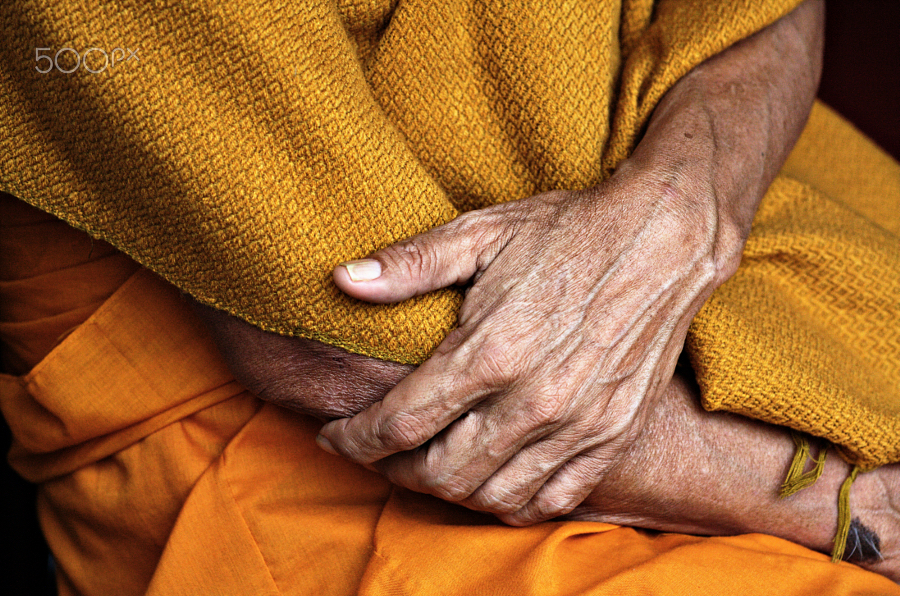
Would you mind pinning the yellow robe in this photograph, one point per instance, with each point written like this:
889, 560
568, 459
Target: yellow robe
242, 150
160, 475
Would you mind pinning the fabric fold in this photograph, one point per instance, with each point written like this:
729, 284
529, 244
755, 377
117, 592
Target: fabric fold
122, 394
807, 332
246, 150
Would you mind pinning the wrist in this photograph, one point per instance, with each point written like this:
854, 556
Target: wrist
721, 134
875, 536
678, 163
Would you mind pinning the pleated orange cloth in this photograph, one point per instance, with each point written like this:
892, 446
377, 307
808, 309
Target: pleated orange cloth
161, 475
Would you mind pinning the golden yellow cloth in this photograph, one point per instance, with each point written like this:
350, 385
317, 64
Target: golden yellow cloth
807, 333
160, 475
242, 150
250, 147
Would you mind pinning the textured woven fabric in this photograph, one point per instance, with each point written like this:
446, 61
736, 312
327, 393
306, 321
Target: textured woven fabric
807, 333
160, 475
242, 151
249, 147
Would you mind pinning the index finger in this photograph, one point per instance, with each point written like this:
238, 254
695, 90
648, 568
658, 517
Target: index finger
424, 403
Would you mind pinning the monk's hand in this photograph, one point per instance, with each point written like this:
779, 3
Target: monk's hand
580, 301
577, 311
300, 374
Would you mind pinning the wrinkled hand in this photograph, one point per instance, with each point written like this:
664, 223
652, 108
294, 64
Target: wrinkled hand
580, 301
300, 374
578, 311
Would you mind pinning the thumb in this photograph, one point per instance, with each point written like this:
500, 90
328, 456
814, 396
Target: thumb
447, 255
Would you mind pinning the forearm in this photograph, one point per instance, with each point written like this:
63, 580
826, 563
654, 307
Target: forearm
727, 127
306, 376
716, 473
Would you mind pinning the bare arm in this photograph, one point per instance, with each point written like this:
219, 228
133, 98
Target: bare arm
716, 473
713, 146
581, 300
732, 121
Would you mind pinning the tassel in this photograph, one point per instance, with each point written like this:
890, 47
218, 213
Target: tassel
796, 480
843, 529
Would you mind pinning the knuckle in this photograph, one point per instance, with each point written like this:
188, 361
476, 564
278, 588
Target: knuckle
401, 433
547, 408
547, 505
452, 488
546, 509
430, 473
439, 477
468, 223
415, 257
495, 365
487, 231
498, 500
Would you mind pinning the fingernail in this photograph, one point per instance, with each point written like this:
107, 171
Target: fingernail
363, 269
325, 445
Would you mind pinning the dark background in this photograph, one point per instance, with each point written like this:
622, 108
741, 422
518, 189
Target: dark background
861, 80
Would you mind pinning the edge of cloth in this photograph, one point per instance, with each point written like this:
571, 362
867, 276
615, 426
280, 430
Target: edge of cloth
96, 392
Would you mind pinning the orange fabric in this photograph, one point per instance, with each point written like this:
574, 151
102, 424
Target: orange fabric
52, 277
160, 475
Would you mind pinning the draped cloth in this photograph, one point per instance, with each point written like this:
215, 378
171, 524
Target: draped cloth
807, 333
160, 475
240, 151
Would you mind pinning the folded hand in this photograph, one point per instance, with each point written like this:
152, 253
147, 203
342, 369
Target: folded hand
577, 312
